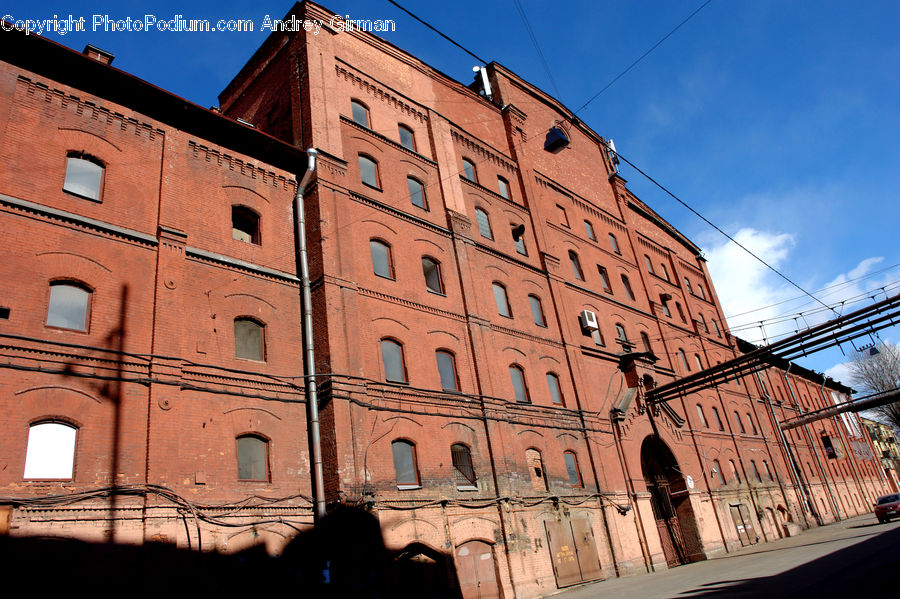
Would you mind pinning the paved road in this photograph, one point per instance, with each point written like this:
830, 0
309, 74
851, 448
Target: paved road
854, 558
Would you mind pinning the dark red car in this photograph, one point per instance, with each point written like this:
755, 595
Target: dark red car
887, 507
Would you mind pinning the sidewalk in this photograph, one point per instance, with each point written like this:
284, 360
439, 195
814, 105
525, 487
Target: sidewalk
824, 561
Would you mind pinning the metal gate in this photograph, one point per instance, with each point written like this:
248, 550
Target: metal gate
574, 551
670, 536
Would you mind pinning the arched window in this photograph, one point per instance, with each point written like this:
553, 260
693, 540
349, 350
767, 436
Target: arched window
701, 322
360, 113
536, 469
701, 290
649, 264
518, 236
253, 458
621, 335
627, 285
382, 264
683, 358
572, 469
501, 299
368, 171
614, 244
69, 306
446, 366
407, 138
589, 229
469, 170
604, 279
484, 224
718, 418
556, 395
665, 272
717, 471
392, 360
503, 187
680, 312
416, 193
702, 416
740, 422
734, 471
646, 341
716, 327
698, 361
576, 265
462, 465
249, 339
51, 451
84, 176
244, 224
431, 270
537, 311
563, 217
520, 389
752, 424
405, 467
687, 283
768, 470
597, 336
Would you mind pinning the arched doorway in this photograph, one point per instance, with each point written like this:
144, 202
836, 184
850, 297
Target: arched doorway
671, 505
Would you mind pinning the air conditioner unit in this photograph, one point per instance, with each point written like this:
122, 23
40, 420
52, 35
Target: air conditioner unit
588, 320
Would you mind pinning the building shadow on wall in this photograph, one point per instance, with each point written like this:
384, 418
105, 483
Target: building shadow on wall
867, 567
344, 556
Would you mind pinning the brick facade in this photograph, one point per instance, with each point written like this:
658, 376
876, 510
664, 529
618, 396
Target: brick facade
580, 481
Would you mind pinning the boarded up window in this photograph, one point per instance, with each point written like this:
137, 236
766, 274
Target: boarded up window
249, 339
462, 464
536, 469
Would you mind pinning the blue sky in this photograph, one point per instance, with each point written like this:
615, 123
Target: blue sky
777, 120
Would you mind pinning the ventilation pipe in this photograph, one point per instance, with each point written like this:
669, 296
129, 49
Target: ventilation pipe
309, 362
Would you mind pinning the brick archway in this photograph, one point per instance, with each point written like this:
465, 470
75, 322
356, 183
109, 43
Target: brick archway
671, 505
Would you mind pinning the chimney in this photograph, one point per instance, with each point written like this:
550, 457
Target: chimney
98, 54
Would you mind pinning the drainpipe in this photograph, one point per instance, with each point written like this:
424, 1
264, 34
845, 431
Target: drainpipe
309, 363
798, 473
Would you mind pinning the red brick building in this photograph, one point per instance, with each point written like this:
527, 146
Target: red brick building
488, 314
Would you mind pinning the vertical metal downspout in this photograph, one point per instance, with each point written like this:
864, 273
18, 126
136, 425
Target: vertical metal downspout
309, 362
798, 473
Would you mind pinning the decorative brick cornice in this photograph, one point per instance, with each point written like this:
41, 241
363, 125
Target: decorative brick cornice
231, 163
484, 151
86, 109
379, 91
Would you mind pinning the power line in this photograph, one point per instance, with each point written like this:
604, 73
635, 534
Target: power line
537, 47
472, 54
642, 56
711, 224
830, 287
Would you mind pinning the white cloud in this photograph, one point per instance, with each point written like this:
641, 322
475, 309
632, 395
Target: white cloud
751, 293
746, 288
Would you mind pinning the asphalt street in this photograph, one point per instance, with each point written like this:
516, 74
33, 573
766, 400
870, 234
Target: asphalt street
847, 559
